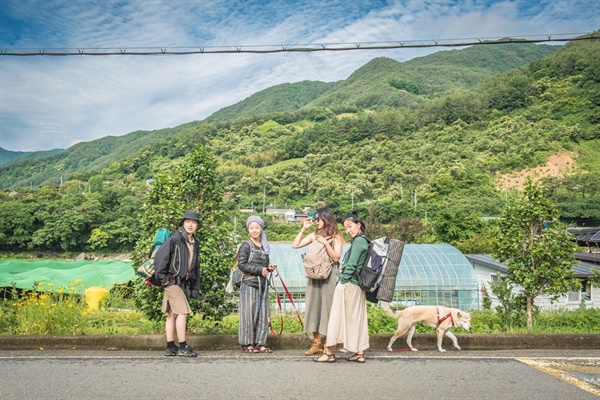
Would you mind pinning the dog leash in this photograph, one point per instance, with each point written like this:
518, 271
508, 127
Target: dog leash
409, 348
278, 297
270, 283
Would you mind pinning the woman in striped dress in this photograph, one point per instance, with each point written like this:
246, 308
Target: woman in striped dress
253, 261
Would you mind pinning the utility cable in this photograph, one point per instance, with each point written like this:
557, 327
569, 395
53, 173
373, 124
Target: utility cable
295, 48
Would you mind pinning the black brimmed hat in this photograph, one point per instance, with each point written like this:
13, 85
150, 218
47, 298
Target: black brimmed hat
191, 215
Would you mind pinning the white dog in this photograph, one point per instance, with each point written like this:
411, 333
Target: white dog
441, 318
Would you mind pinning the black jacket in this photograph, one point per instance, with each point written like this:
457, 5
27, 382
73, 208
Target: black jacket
252, 267
171, 264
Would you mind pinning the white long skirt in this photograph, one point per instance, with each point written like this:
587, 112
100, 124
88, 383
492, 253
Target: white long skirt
348, 325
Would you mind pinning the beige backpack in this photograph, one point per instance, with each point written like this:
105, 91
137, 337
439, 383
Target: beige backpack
317, 264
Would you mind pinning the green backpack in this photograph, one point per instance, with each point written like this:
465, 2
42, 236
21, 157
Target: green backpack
147, 268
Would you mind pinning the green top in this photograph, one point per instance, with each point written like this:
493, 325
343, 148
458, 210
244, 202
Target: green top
354, 260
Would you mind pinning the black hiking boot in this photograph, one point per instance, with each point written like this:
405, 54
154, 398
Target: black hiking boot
171, 351
186, 351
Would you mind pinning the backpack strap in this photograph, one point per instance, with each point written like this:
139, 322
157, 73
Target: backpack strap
362, 235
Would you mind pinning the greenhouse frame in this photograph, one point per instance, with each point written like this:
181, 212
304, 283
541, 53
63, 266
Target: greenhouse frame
429, 274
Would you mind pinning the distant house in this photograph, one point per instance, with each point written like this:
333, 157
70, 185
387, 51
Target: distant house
587, 237
486, 268
279, 212
300, 217
290, 216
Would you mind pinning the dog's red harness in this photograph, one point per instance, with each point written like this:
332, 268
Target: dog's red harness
445, 317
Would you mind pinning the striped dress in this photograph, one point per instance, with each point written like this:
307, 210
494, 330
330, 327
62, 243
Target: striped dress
254, 296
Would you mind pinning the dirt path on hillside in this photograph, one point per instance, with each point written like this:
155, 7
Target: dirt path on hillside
558, 165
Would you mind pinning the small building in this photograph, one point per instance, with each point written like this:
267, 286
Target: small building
587, 237
279, 212
300, 217
487, 268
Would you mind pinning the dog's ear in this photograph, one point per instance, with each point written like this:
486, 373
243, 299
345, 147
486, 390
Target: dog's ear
458, 314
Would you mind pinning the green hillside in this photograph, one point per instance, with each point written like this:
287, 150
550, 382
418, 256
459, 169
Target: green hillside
449, 151
7, 155
381, 82
384, 82
279, 98
47, 167
442, 163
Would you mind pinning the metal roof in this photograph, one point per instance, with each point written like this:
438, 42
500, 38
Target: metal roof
582, 268
586, 235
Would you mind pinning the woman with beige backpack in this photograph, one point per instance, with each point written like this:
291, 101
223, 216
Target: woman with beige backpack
322, 270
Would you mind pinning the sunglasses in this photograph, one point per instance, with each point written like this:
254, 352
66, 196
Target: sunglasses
317, 219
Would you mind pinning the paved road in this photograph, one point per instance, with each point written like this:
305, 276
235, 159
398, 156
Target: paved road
77, 374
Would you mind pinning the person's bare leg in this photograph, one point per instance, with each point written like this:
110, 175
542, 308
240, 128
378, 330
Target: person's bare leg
180, 325
170, 326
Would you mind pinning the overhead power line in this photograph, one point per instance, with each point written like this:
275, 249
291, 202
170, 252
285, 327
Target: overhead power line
295, 48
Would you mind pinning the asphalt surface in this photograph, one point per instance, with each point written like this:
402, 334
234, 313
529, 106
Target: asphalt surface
230, 374
134, 366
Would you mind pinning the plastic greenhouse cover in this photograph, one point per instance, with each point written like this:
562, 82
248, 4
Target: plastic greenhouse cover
24, 274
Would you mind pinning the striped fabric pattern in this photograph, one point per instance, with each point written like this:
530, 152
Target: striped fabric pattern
388, 283
254, 315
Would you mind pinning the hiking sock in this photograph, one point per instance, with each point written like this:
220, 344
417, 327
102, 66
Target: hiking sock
171, 345
183, 344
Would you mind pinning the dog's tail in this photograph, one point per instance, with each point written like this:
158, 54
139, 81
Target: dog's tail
386, 307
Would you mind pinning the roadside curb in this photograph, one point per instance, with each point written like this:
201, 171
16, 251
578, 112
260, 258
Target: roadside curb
288, 342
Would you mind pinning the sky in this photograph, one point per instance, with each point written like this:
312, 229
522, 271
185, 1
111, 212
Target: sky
49, 102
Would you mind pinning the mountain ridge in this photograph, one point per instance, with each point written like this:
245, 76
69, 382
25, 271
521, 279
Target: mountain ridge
86, 157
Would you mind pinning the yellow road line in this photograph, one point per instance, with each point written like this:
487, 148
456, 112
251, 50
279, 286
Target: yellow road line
564, 370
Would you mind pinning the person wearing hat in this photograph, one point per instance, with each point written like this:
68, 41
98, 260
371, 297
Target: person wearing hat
177, 268
253, 261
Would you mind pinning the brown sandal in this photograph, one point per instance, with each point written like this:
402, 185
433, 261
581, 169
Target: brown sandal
262, 349
359, 358
248, 349
330, 358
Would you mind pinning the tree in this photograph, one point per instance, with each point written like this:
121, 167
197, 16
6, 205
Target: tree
16, 224
453, 225
191, 185
536, 246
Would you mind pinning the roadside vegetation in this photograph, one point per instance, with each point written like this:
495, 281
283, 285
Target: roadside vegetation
59, 311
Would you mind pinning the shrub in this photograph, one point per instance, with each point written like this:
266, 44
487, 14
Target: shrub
45, 310
486, 321
568, 321
121, 322
379, 321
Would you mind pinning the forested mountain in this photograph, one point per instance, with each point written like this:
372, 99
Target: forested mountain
7, 155
381, 82
283, 97
444, 160
47, 167
384, 82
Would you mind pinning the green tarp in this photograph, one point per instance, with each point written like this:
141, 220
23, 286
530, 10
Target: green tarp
63, 273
